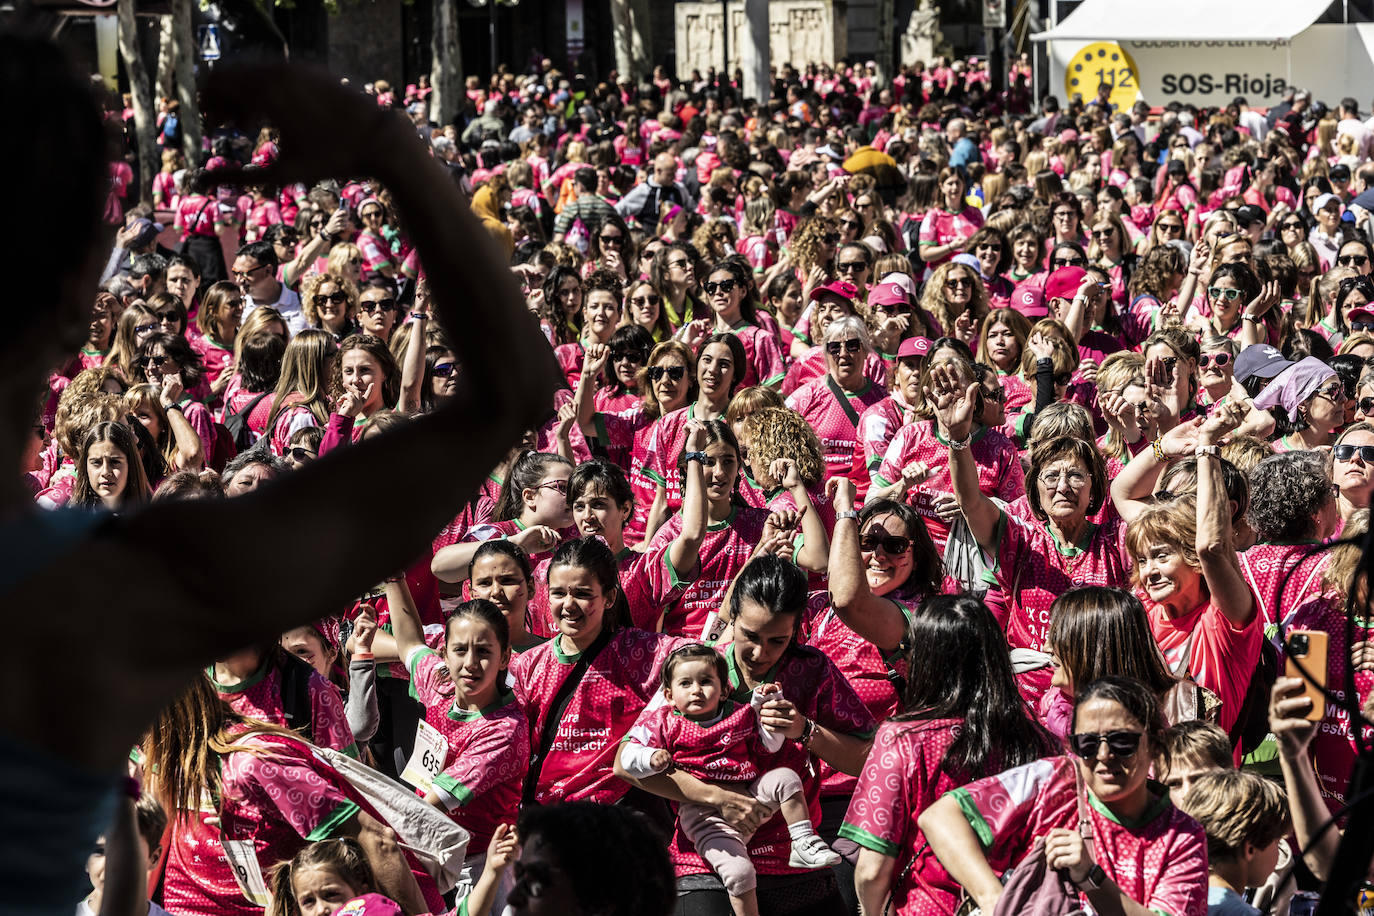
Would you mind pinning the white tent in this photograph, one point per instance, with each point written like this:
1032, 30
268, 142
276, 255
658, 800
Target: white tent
1187, 20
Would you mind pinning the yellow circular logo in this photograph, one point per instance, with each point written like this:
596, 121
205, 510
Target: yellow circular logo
1102, 62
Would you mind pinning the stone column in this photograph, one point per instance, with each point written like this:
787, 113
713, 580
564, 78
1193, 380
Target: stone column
754, 50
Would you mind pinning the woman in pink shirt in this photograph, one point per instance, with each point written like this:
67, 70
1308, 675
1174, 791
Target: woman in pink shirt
601, 297
946, 228
833, 403
217, 326
731, 295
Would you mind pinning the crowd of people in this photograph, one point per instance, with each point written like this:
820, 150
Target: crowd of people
888, 498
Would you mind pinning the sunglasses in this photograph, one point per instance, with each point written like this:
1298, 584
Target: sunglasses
1100, 234
173, 316
1333, 392
996, 395
1170, 362
891, 544
613, 240
1119, 744
1353, 260
1346, 452
300, 454
1216, 292
146, 328
836, 347
674, 373
958, 282
679, 264
851, 267
851, 224
1170, 227
338, 297
1366, 406
158, 361
1208, 360
654, 299
1357, 326
632, 354
1069, 262
442, 370
1293, 226
723, 286
378, 305
831, 238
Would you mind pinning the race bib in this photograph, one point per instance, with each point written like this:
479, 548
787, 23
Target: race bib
243, 859
427, 760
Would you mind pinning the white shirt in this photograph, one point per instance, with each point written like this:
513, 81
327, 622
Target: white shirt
288, 303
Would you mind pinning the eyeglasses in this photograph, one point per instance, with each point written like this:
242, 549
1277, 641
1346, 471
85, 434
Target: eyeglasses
158, 361
1346, 452
633, 354
338, 297
1076, 480
442, 370
245, 274
1069, 262
300, 454
652, 299
674, 373
852, 345
996, 395
1366, 406
1291, 226
558, 486
378, 305
146, 328
1216, 292
1101, 234
1208, 360
849, 267
958, 282
1353, 260
1334, 392
612, 240
724, 286
1169, 227
1119, 744
890, 543
1064, 214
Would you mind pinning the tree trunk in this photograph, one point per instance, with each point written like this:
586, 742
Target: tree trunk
641, 39
621, 38
142, 93
883, 54
185, 52
446, 67
165, 85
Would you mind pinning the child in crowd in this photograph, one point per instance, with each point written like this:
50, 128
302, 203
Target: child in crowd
1245, 816
151, 821
1193, 749
722, 741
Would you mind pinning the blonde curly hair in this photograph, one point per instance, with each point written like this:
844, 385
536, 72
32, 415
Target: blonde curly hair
779, 432
805, 244
934, 302
312, 286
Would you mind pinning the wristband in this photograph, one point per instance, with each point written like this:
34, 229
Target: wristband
848, 513
694, 456
960, 445
1159, 451
1093, 880
419, 316
808, 732
1245, 317
362, 656
1211, 450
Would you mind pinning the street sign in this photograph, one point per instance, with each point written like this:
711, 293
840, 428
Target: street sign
994, 14
209, 42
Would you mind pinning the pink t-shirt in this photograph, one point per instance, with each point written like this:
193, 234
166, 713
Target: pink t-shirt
695, 611
834, 414
260, 698
1160, 862
730, 749
941, 227
762, 356
1283, 577
616, 688
901, 778
878, 425
488, 751
1220, 656
215, 357
999, 469
813, 365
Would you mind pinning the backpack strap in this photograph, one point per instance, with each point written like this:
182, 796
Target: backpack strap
557, 706
839, 394
248, 408
296, 701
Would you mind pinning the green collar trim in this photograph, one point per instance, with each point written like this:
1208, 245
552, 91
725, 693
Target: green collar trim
725, 522
1077, 549
472, 715
1152, 811
739, 691
242, 685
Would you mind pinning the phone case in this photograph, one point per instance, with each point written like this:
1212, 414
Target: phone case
1315, 663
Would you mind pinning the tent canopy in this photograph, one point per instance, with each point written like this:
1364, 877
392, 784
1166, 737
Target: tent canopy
1186, 20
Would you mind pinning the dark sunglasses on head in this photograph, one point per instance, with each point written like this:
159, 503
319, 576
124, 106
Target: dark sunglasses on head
836, 347
724, 286
379, 305
1119, 744
674, 373
1069, 262
633, 354
1208, 360
442, 370
338, 297
890, 543
300, 454
1346, 452
1353, 260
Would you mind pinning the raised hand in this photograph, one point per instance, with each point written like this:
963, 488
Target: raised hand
840, 491
172, 389
784, 470
954, 402
594, 359
364, 628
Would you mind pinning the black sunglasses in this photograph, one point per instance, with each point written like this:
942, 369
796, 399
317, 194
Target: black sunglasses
442, 370
174, 316
674, 373
724, 286
1358, 326
891, 544
1069, 262
836, 347
155, 360
1353, 260
1119, 744
633, 354
1366, 406
1346, 452
300, 454
651, 299
338, 297
378, 305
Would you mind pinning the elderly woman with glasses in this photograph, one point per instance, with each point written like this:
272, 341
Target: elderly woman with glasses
832, 403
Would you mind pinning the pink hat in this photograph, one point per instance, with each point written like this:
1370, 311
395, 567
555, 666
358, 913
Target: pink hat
907, 284
914, 346
888, 293
1068, 136
1064, 282
1029, 300
1359, 314
1294, 385
846, 291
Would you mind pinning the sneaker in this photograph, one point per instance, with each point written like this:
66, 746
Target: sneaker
812, 852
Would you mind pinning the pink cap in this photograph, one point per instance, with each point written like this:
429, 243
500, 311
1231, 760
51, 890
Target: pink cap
1069, 136
846, 291
914, 346
1359, 314
1064, 282
888, 293
1029, 300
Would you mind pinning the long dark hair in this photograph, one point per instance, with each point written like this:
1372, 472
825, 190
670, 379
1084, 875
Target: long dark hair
927, 566
958, 667
526, 472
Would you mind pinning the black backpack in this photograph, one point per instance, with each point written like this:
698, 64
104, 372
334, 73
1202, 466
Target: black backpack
237, 424
294, 674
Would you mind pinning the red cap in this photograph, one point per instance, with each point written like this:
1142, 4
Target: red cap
1359, 314
914, 346
839, 288
1064, 283
888, 294
1029, 300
